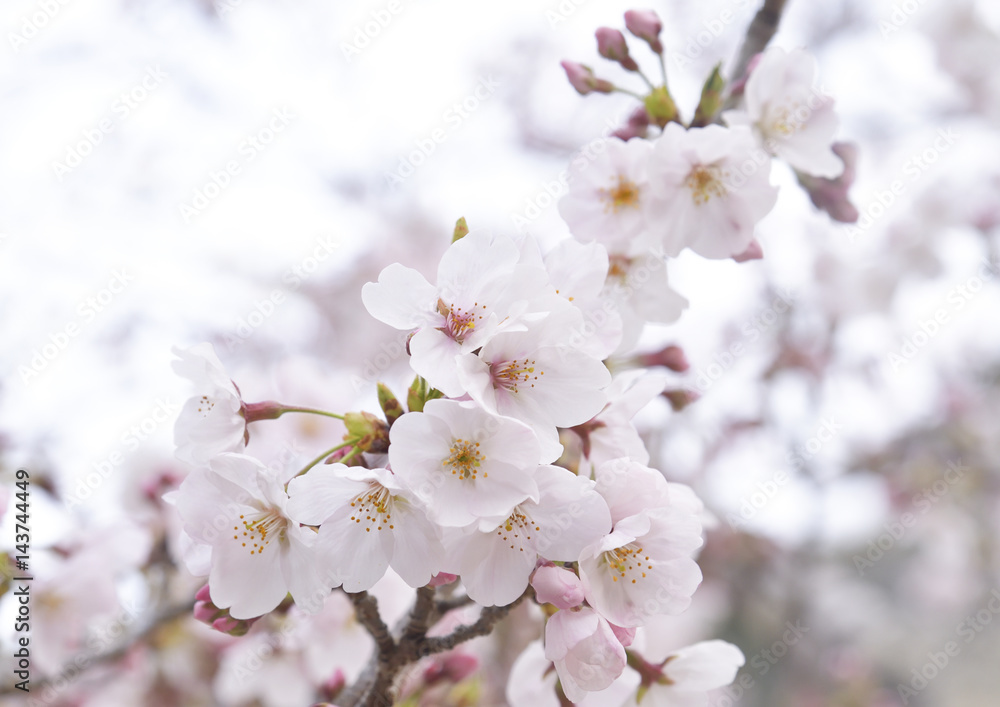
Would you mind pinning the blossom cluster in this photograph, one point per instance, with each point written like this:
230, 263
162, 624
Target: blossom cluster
515, 466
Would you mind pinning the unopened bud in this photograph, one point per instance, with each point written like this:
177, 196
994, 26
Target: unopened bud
671, 357
461, 230
646, 25
390, 405
637, 125
583, 80
557, 586
451, 668
366, 432
611, 45
660, 106
830, 195
333, 686
711, 99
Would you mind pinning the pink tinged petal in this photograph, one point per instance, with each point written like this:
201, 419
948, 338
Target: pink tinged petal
630, 488
531, 681
308, 584
201, 365
704, 666
587, 654
402, 298
323, 490
418, 554
476, 260
570, 514
474, 376
248, 585
495, 565
577, 269
355, 552
432, 355
208, 503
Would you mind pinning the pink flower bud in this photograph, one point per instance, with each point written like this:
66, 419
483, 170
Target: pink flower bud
637, 125
557, 586
441, 579
611, 45
625, 635
671, 357
646, 25
830, 195
225, 624
205, 612
583, 80
453, 667
753, 252
333, 686
203, 594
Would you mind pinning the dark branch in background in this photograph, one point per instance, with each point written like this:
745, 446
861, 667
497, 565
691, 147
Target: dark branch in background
759, 33
84, 662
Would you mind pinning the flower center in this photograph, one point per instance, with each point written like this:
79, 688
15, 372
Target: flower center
465, 459
374, 507
259, 529
626, 563
624, 195
517, 529
457, 322
205, 405
787, 120
618, 267
705, 182
510, 374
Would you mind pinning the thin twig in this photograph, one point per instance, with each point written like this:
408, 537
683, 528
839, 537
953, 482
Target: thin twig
759, 33
83, 663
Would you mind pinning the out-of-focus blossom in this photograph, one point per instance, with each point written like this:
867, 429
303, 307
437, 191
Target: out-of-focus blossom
212, 421
585, 651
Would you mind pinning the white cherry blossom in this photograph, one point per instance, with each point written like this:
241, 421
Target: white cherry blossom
212, 421
463, 463
607, 194
691, 672
259, 554
368, 523
585, 651
479, 285
789, 114
644, 567
710, 187
496, 561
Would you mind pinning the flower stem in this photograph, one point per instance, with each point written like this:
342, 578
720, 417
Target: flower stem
312, 411
323, 456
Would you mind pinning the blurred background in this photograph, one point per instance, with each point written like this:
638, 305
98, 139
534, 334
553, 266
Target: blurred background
177, 171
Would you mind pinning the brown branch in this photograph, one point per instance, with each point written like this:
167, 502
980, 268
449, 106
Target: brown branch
488, 618
366, 608
759, 33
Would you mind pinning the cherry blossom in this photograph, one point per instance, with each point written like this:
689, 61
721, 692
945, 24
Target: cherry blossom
790, 116
367, 524
585, 651
478, 283
710, 187
259, 554
691, 672
463, 463
644, 567
495, 561
212, 421
607, 194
